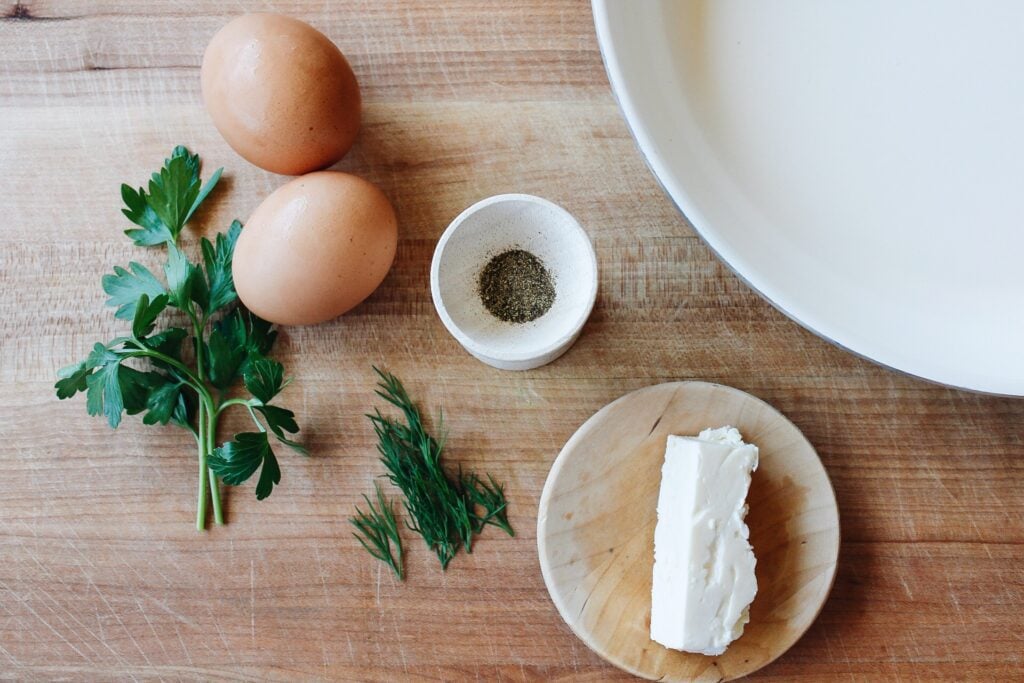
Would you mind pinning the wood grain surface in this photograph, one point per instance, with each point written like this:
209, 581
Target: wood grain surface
102, 575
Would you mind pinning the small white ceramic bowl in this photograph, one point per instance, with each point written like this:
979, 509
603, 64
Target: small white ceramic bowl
488, 228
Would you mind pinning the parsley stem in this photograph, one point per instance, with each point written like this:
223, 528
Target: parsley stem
201, 502
211, 437
255, 419
218, 513
234, 402
197, 329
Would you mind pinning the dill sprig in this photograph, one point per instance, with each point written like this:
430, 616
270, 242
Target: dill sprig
377, 529
443, 509
490, 495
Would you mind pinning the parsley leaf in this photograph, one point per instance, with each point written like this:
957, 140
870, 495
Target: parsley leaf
112, 388
138, 211
180, 273
200, 291
237, 460
206, 189
173, 197
242, 328
217, 259
126, 286
103, 354
136, 387
184, 413
235, 341
163, 401
263, 378
168, 343
223, 359
281, 420
103, 395
174, 188
146, 313
174, 191
72, 379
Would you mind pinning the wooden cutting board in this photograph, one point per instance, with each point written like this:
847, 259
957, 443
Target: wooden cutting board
102, 575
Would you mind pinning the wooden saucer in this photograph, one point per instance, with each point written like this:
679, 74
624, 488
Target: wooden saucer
595, 529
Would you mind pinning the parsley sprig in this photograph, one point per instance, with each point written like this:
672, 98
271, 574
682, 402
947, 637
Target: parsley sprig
446, 510
182, 375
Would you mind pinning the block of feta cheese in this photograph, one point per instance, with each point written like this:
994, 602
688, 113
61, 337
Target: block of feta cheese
703, 562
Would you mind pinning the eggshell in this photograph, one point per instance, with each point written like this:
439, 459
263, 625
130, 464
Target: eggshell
315, 248
281, 93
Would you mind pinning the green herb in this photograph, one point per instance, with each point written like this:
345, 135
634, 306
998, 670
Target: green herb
446, 511
489, 495
377, 530
225, 342
516, 287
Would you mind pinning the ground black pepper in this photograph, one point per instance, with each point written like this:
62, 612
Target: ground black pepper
516, 287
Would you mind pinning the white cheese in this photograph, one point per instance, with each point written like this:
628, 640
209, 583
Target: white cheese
703, 563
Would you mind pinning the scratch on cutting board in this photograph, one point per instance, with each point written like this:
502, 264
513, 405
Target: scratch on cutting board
252, 600
181, 641
152, 567
327, 602
27, 605
223, 640
321, 573
9, 656
142, 610
103, 598
401, 647
842, 646
977, 530
86, 560
951, 590
942, 484
906, 587
440, 57
828, 649
45, 571
162, 604
378, 587
44, 596
145, 615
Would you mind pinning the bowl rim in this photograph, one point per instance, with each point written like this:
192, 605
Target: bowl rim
480, 349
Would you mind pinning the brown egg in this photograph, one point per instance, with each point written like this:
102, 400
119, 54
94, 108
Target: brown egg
281, 93
315, 248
